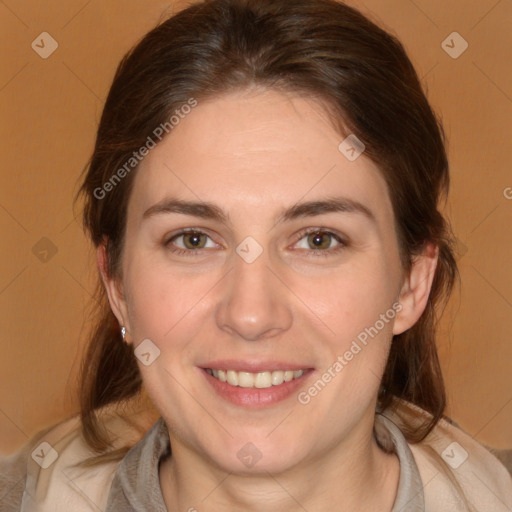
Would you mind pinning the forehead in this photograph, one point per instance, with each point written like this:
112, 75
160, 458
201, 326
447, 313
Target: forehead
256, 150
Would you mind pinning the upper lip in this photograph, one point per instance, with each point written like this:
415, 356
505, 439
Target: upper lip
253, 366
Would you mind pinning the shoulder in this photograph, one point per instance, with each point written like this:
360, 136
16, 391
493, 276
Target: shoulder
48, 474
449, 459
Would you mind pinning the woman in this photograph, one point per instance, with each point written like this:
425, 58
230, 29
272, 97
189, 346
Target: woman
264, 198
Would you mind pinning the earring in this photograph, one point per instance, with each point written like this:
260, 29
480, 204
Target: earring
123, 332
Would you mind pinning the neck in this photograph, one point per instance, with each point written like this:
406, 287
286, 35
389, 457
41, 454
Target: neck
353, 475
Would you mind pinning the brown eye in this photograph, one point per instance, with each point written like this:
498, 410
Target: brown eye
194, 240
319, 240
189, 242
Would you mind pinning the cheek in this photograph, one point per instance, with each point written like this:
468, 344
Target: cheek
351, 301
161, 301
357, 307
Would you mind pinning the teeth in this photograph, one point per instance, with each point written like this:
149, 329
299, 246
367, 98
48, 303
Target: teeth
245, 380
255, 380
277, 378
232, 377
263, 380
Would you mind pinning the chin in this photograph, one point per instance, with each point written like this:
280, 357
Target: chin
258, 457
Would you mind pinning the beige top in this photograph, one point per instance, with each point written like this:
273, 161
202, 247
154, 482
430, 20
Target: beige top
41, 478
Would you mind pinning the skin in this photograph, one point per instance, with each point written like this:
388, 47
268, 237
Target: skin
254, 154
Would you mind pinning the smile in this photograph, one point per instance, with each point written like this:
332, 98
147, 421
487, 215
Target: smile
258, 380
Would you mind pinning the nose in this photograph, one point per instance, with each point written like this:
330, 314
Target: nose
255, 303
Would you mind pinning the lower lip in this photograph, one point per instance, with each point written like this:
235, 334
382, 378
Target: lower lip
255, 398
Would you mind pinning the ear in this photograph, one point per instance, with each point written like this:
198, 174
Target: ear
113, 288
416, 288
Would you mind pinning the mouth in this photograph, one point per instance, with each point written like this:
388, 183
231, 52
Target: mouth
260, 380
258, 388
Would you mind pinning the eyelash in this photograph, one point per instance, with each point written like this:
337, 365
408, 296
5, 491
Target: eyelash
342, 244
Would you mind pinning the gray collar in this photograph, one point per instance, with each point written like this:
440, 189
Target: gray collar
136, 484
409, 495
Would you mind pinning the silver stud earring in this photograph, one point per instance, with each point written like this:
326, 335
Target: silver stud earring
123, 332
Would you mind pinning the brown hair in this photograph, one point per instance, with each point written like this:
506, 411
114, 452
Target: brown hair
319, 48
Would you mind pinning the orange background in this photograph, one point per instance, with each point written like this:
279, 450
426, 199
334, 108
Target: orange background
51, 109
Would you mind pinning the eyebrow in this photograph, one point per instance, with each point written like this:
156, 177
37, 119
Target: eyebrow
206, 210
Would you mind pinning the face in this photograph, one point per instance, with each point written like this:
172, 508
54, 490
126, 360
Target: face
256, 252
